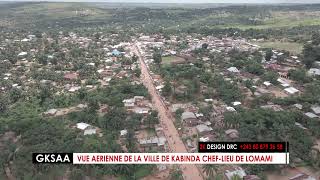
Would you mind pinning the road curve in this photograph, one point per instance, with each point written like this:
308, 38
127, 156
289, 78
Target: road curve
190, 172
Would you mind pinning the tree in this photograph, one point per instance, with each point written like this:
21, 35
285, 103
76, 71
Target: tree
82, 94
249, 84
45, 92
178, 113
204, 46
210, 169
43, 59
3, 104
134, 58
227, 91
93, 105
255, 68
299, 75
114, 119
134, 121
131, 141
152, 119
167, 90
137, 72
269, 54
262, 124
15, 94
157, 58
271, 77
311, 51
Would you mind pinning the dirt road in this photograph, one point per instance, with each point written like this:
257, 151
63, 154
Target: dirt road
190, 172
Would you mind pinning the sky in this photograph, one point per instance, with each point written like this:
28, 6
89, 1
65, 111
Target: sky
187, 1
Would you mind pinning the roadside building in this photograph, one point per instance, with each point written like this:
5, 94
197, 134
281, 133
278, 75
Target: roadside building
189, 118
153, 143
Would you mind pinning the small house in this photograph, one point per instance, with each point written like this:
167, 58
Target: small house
189, 118
267, 84
311, 115
236, 103
123, 133
291, 90
87, 128
203, 129
116, 52
316, 109
153, 143
314, 72
233, 70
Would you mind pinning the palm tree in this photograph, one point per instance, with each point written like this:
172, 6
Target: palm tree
210, 169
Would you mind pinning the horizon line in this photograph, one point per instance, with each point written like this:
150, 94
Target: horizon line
98, 1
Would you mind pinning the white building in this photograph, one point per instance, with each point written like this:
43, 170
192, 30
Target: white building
233, 70
291, 90
314, 72
87, 128
22, 54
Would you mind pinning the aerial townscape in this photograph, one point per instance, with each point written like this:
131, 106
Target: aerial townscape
157, 77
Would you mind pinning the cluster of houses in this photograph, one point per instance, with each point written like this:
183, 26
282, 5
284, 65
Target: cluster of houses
231, 172
137, 104
106, 68
193, 122
219, 45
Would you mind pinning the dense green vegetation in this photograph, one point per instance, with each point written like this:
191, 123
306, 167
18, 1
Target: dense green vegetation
255, 21
287, 28
40, 134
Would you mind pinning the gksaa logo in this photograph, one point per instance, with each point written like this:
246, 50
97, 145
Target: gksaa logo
52, 157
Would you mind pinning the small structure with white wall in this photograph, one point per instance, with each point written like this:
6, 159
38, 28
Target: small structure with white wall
87, 128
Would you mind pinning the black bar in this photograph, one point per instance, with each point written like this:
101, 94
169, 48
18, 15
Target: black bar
56, 158
244, 147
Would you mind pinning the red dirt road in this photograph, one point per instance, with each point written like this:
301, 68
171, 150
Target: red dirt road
190, 172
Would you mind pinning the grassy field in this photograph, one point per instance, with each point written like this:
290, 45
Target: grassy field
35, 14
277, 23
292, 47
171, 59
278, 19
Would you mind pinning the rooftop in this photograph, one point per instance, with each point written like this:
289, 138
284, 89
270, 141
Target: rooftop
203, 128
188, 115
82, 125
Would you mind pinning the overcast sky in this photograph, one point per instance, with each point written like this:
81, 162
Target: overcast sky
188, 1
